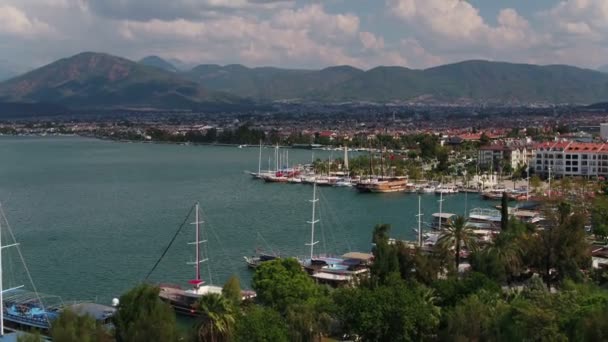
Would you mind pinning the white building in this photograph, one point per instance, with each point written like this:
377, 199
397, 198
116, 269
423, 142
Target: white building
604, 131
565, 158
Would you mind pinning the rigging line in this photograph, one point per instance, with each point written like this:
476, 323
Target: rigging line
342, 229
170, 243
223, 250
27, 270
331, 222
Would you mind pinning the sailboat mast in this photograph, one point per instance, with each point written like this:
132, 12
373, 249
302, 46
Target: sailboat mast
440, 208
313, 221
346, 157
419, 221
196, 246
260, 160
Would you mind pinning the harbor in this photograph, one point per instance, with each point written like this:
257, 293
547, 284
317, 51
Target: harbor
93, 216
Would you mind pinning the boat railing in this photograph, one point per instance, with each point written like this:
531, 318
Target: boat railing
484, 212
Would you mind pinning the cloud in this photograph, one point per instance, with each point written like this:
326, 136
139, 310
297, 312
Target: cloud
143, 10
300, 36
305, 33
16, 22
456, 25
370, 41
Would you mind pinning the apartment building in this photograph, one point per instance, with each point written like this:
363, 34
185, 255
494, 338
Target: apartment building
566, 158
493, 155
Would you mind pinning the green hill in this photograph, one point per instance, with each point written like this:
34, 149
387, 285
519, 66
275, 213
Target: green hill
471, 80
100, 80
96, 80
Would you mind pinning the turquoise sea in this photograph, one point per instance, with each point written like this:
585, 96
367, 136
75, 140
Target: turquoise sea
93, 216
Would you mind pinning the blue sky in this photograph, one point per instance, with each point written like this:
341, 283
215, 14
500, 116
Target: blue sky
309, 34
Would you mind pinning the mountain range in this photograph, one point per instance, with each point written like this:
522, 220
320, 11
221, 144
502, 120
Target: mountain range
97, 80
100, 80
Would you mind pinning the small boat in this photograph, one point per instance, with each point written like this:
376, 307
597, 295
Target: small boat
255, 261
446, 190
427, 189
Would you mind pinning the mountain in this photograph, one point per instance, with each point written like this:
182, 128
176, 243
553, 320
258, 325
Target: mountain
97, 80
477, 81
157, 62
603, 68
269, 83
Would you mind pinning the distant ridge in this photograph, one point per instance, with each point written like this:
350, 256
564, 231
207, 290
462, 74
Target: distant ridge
97, 80
476, 81
157, 62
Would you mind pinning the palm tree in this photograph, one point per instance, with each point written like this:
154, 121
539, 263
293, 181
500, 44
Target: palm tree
455, 236
507, 249
218, 318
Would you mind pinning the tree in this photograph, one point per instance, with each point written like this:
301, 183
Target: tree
503, 258
260, 324
455, 235
143, 316
484, 139
599, 217
232, 290
73, 327
561, 250
281, 283
476, 318
504, 212
30, 337
386, 261
390, 312
217, 318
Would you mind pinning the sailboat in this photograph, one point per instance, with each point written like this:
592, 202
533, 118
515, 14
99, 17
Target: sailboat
26, 310
183, 300
334, 271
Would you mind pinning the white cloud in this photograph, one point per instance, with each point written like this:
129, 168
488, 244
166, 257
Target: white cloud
302, 36
16, 22
370, 41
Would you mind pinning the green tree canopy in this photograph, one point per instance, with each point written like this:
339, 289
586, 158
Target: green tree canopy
143, 317
281, 283
217, 320
232, 290
260, 324
73, 327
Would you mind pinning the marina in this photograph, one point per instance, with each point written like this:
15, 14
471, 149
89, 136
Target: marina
90, 210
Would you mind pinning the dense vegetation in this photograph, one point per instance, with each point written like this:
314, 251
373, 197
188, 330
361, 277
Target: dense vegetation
530, 283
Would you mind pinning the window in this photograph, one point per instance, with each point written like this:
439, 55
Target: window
575, 156
560, 156
567, 169
538, 162
568, 162
575, 169
568, 156
584, 163
584, 156
539, 155
574, 163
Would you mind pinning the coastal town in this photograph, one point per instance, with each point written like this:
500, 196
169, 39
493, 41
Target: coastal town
303, 171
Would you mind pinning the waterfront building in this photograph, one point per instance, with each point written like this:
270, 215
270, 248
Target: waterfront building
567, 158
